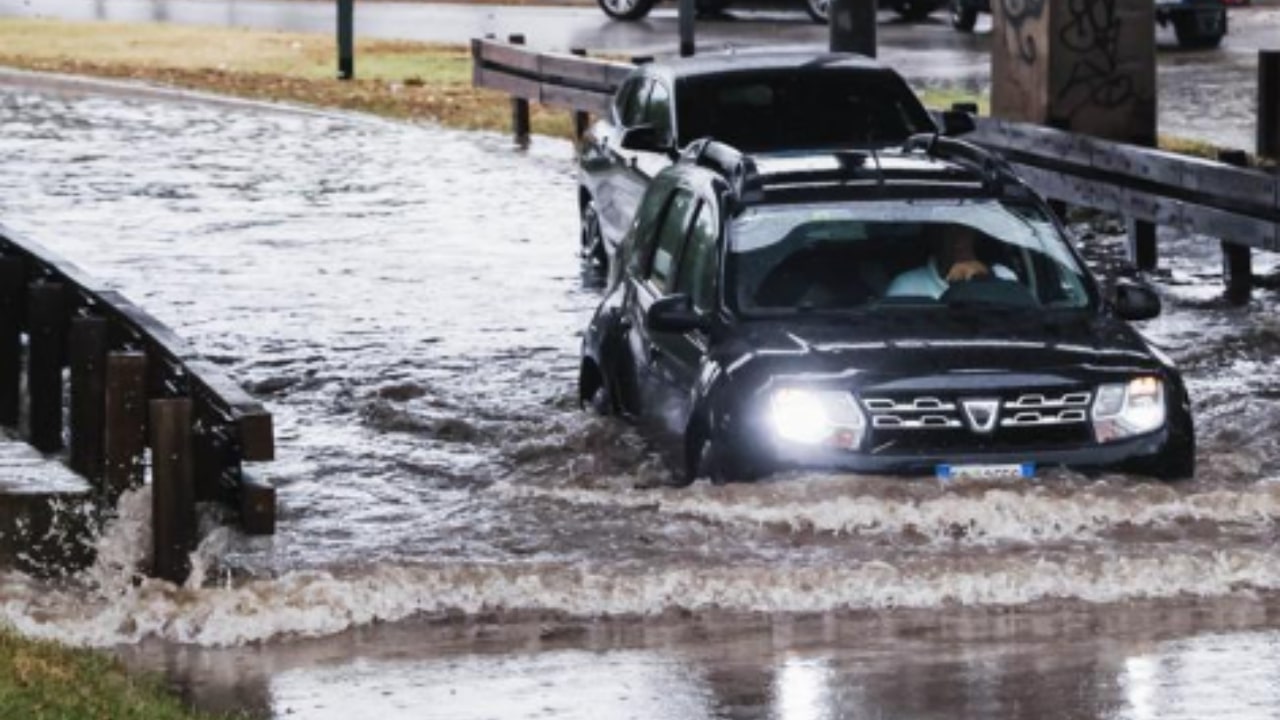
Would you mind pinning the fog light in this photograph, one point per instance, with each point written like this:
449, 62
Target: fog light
1122, 411
816, 417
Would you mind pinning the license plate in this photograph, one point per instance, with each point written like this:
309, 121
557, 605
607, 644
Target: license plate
1009, 471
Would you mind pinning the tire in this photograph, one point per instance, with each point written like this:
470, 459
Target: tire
591, 239
963, 17
819, 10
1190, 36
626, 9
712, 8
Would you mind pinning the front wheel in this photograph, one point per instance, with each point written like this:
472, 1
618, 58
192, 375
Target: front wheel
819, 10
963, 17
626, 9
915, 10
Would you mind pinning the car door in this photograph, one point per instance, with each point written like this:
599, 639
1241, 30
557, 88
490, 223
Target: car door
651, 350
638, 167
614, 193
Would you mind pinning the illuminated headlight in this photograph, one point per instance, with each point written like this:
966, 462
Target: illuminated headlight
817, 417
1125, 410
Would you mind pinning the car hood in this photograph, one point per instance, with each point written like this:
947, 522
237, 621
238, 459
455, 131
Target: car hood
1026, 350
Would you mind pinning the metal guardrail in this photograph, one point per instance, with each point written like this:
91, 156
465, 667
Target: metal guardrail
133, 385
1239, 205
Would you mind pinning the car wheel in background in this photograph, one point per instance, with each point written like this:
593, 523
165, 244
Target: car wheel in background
819, 10
626, 9
591, 239
712, 8
1194, 33
915, 10
963, 17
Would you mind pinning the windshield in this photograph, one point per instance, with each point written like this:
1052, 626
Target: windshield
797, 110
905, 253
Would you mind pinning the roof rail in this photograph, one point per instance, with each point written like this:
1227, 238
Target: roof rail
735, 166
994, 169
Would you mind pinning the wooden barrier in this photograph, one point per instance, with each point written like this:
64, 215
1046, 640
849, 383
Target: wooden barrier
1241, 206
134, 384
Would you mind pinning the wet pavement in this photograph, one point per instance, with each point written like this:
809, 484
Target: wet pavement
1208, 95
456, 535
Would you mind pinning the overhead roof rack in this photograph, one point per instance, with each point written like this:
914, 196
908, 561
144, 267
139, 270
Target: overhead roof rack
994, 170
731, 163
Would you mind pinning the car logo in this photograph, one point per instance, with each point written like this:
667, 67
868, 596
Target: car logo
981, 414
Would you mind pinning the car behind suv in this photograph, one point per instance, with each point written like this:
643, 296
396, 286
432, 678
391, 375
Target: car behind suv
1196, 23
759, 102
818, 10
908, 311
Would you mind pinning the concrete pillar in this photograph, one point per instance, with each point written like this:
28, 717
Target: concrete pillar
1085, 66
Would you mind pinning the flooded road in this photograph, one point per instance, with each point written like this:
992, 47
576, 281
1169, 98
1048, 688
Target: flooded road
455, 534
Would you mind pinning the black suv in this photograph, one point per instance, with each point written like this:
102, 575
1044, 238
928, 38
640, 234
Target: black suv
758, 102
918, 310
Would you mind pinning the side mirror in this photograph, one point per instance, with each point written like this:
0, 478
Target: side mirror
958, 122
645, 138
675, 314
1135, 301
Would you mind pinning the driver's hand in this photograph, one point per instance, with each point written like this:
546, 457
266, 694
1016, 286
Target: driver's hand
967, 270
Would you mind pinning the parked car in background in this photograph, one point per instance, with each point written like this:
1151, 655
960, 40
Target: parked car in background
1196, 23
817, 9
915, 311
761, 102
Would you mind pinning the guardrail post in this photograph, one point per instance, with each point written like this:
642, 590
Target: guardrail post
125, 438
853, 26
581, 119
688, 13
519, 107
1237, 260
346, 40
173, 508
87, 356
12, 286
257, 506
1269, 104
46, 333
1142, 245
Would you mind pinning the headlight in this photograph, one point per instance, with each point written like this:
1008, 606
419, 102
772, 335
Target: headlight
1125, 410
817, 417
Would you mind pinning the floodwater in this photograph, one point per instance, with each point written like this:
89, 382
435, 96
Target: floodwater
457, 539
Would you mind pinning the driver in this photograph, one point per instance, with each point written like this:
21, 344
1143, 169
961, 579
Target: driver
953, 260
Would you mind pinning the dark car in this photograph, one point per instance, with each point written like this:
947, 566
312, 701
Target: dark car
1196, 23
811, 311
759, 102
818, 10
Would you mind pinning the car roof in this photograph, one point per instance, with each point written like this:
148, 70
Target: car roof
724, 63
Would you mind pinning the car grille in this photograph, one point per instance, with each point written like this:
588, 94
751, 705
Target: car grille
938, 422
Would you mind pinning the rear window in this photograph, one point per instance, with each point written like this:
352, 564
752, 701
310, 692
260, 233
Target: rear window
796, 110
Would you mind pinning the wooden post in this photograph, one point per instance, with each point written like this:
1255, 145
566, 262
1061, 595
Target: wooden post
257, 506
853, 26
12, 287
126, 421
47, 333
87, 355
580, 118
346, 40
688, 14
519, 107
173, 508
1269, 104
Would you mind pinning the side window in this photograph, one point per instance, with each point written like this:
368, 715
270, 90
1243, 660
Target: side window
697, 277
671, 234
658, 111
632, 112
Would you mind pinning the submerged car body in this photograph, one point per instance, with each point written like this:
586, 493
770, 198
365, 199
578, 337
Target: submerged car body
757, 101
770, 314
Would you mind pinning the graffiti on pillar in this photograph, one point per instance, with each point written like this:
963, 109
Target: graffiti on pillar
1092, 32
1016, 14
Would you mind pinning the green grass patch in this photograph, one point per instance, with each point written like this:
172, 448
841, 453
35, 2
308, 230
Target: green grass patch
42, 680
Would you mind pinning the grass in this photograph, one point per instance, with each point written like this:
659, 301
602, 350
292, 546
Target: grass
45, 681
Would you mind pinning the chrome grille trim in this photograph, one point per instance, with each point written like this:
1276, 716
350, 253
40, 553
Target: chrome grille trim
1037, 419
1040, 401
924, 422
920, 404
1021, 410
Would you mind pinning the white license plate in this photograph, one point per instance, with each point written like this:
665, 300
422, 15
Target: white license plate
1009, 471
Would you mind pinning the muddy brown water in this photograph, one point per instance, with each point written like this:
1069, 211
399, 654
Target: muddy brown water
458, 540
